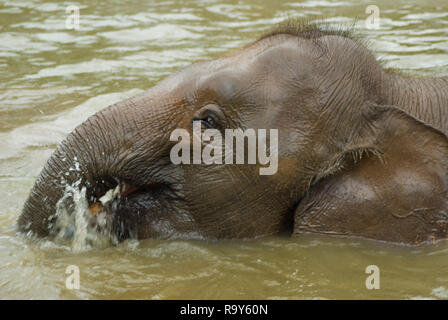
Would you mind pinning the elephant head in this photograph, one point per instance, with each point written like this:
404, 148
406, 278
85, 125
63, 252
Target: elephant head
322, 90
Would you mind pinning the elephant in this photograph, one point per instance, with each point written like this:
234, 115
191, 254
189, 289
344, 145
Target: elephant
362, 149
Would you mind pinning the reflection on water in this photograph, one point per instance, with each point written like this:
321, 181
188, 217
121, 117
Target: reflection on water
53, 79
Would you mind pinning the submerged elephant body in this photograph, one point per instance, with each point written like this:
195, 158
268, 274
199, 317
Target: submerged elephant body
361, 151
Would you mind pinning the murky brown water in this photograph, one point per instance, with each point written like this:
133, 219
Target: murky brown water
53, 78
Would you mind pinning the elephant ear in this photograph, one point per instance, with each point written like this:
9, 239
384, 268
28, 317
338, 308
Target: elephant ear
397, 190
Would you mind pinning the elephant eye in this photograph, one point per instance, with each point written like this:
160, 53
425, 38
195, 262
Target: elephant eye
210, 122
211, 116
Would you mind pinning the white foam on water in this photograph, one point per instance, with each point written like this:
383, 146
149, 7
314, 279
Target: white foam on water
440, 292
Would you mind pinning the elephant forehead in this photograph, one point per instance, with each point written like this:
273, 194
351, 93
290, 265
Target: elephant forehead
277, 62
287, 58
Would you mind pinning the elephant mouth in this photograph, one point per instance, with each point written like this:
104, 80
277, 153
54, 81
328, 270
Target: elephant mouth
122, 190
125, 204
126, 189
89, 216
110, 210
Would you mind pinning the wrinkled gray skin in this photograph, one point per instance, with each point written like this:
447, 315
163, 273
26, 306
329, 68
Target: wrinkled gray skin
331, 102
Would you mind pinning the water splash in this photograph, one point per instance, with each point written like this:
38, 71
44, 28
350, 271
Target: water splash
75, 226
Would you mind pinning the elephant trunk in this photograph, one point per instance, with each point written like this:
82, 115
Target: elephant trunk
90, 155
